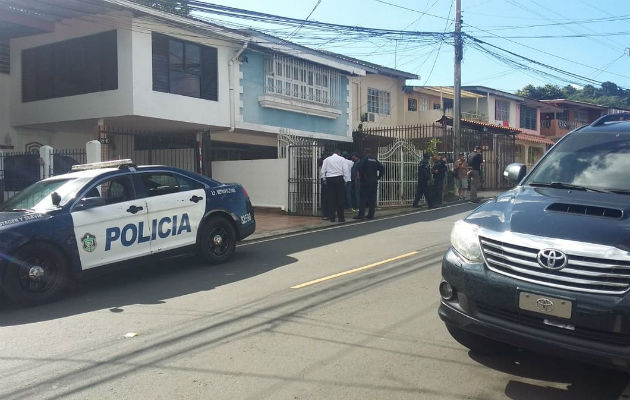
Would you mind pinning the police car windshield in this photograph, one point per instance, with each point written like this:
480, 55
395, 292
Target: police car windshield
37, 196
592, 160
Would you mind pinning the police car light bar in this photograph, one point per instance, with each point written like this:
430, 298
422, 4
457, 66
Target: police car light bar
104, 164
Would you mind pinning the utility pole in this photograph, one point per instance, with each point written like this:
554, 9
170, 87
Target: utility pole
457, 87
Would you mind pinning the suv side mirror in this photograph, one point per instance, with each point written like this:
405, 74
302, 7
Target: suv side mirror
515, 172
89, 202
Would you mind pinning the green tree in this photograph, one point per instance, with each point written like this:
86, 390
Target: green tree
171, 6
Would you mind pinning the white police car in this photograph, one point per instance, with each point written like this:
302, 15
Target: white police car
107, 213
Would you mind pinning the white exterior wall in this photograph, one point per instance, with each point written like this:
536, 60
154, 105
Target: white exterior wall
266, 181
79, 107
135, 95
171, 106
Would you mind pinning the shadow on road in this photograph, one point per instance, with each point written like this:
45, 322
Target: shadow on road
582, 381
154, 282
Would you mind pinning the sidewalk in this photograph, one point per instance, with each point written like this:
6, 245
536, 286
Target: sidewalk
274, 222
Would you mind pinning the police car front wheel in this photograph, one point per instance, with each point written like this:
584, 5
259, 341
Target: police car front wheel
36, 274
217, 240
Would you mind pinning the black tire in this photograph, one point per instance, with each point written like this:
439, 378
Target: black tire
37, 273
477, 344
217, 240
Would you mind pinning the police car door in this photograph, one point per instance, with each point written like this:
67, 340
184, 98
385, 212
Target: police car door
176, 205
114, 228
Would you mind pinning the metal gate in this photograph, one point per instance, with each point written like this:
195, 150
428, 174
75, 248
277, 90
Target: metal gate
304, 161
398, 186
181, 150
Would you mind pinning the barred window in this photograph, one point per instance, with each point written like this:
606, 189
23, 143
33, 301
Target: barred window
528, 118
4, 56
502, 110
412, 104
378, 101
424, 103
301, 80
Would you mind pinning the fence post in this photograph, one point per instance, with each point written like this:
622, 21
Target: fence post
1, 176
46, 161
93, 151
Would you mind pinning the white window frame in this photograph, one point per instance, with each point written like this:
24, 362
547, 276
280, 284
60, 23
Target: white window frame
501, 111
302, 81
379, 101
424, 103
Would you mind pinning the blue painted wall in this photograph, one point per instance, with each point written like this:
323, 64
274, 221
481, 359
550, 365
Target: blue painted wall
253, 86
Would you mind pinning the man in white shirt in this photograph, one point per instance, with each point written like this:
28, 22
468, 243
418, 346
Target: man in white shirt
333, 171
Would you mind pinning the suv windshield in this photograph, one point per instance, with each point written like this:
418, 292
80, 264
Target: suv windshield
587, 160
37, 196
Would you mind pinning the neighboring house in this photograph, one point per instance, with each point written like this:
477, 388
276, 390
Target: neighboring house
427, 104
378, 97
512, 111
140, 80
571, 114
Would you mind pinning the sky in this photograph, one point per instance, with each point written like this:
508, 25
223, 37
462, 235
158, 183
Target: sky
590, 39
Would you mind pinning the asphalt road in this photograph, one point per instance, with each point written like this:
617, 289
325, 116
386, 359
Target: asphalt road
346, 312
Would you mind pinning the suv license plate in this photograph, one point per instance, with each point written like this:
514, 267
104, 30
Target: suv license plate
544, 305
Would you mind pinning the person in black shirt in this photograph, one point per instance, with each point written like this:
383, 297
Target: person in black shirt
370, 171
424, 176
439, 174
475, 161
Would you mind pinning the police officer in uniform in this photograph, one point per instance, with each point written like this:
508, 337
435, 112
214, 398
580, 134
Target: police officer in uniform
439, 174
424, 176
370, 171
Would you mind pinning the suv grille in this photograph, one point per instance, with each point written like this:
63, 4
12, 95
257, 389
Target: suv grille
584, 274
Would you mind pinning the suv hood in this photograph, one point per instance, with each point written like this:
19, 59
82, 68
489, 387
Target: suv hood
524, 209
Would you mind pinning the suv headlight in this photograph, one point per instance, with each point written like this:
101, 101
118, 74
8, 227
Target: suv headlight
465, 240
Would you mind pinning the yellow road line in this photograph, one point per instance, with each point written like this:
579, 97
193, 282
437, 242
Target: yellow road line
352, 271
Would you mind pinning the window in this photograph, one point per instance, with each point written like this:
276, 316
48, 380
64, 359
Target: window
581, 118
529, 118
78, 66
378, 101
301, 80
501, 110
4, 56
159, 183
412, 104
115, 190
184, 68
424, 103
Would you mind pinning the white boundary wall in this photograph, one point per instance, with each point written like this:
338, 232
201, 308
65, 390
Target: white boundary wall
266, 181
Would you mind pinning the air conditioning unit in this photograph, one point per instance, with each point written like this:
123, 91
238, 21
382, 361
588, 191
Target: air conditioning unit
371, 117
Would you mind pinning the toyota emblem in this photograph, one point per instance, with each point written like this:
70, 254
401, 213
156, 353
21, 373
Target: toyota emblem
544, 304
552, 259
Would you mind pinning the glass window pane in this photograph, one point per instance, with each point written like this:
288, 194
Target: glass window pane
176, 54
193, 58
185, 84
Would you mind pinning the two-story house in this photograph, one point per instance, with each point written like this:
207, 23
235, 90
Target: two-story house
161, 88
509, 110
571, 114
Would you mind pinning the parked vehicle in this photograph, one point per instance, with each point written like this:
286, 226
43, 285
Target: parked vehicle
107, 213
546, 265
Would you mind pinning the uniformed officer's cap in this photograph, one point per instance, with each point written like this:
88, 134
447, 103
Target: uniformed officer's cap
426, 155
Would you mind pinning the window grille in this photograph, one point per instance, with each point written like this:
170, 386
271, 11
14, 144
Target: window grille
378, 101
301, 80
502, 110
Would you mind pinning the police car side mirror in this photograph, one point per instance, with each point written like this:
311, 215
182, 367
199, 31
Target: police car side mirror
89, 202
55, 198
515, 172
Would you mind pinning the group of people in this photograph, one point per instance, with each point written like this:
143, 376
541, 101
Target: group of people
432, 177
349, 181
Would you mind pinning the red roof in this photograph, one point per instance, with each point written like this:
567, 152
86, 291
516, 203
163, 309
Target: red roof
526, 137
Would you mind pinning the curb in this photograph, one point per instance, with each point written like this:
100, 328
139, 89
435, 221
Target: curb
407, 210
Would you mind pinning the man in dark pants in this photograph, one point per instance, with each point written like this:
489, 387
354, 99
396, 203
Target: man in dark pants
333, 170
475, 161
370, 171
424, 176
439, 173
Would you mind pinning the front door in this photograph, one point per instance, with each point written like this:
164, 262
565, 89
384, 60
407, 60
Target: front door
176, 206
115, 231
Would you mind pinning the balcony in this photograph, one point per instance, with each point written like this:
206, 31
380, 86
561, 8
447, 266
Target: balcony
558, 127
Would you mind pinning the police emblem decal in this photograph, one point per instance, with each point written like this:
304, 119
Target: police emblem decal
89, 242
